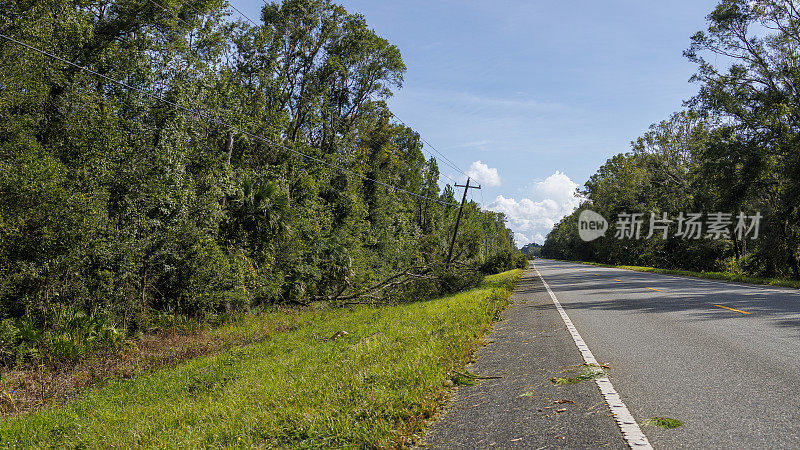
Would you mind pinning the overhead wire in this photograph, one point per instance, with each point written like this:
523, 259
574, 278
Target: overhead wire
207, 118
444, 158
215, 111
241, 13
246, 17
174, 14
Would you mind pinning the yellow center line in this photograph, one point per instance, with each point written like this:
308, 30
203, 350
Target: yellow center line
617, 280
731, 309
654, 289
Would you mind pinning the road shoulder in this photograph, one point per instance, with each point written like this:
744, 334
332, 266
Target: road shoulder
523, 408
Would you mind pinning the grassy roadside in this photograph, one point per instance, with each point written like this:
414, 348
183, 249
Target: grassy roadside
41, 384
363, 377
725, 276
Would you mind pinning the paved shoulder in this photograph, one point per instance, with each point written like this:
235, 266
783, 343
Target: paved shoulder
523, 408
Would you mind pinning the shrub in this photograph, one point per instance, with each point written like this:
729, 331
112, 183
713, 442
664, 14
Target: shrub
504, 260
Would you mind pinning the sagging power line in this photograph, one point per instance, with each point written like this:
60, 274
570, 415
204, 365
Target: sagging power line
445, 159
243, 14
207, 118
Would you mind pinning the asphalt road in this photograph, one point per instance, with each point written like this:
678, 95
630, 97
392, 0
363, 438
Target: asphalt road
731, 375
516, 405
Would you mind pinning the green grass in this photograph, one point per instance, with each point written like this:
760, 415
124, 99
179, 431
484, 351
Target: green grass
376, 386
463, 379
581, 373
662, 422
725, 276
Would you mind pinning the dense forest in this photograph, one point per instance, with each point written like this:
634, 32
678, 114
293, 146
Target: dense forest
166, 157
736, 148
532, 249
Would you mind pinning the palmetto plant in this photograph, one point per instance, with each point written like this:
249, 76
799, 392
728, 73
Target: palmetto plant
257, 209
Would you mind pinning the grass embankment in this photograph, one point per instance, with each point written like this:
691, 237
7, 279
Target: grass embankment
364, 376
43, 382
725, 276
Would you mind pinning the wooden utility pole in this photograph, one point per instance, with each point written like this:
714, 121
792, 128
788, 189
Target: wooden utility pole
458, 220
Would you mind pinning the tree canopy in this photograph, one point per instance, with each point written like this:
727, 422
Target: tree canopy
118, 203
735, 148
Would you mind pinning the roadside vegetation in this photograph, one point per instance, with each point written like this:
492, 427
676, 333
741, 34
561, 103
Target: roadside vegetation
42, 383
578, 374
359, 376
532, 250
662, 422
734, 149
121, 214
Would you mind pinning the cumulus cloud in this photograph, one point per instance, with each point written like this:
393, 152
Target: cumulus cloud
559, 188
484, 174
532, 218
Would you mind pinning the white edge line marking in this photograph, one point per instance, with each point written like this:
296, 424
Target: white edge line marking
631, 432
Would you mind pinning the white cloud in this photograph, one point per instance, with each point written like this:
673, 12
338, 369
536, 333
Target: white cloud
532, 219
484, 174
475, 144
558, 187
505, 104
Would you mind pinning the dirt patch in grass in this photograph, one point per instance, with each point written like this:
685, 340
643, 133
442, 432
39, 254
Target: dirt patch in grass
41, 385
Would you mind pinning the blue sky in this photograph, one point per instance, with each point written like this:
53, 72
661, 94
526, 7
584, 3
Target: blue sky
544, 92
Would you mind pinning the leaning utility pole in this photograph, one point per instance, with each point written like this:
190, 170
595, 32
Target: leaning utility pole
458, 220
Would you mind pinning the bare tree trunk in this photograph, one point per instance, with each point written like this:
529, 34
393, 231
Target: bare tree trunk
229, 146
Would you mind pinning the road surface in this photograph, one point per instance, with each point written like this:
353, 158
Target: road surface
721, 357
724, 358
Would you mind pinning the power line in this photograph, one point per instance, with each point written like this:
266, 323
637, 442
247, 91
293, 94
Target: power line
207, 118
445, 158
447, 161
195, 9
245, 16
241, 13
447, 176
174, 14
